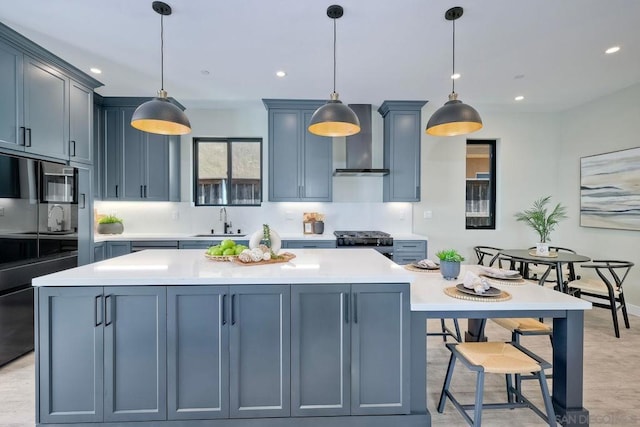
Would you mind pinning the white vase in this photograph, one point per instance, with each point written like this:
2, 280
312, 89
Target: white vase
542, 249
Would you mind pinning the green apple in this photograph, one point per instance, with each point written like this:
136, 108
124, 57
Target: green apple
227, 243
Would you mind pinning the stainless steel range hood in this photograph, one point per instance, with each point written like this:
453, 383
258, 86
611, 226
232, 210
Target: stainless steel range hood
359, 147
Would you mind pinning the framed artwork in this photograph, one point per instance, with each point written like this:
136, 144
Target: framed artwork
307, 227
610, 190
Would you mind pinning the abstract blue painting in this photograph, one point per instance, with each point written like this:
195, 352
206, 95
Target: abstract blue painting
610, 190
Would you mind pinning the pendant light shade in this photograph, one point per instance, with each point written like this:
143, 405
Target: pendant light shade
454, 117
159, 115
334, 118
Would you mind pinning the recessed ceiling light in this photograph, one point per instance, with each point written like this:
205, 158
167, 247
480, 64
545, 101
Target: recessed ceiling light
518, 76
519, 98
455, 76
204, 72
95, 70
612, 49
280, 73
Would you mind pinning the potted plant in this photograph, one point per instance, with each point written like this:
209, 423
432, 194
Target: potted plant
450, 261
542, 221
110, 224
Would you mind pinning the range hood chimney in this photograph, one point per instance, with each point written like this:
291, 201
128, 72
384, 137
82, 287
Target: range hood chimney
359, 147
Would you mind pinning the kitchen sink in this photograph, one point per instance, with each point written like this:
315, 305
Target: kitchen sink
218, 235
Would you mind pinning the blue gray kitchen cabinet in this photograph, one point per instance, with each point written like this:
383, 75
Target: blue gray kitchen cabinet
85, 215
135, 376
300, 163
98, 147
362, 332
117, 248
74, 319
99, 251
80, 123
11, 88
408, 251
205, 244
308, 244
138, 166
401, 150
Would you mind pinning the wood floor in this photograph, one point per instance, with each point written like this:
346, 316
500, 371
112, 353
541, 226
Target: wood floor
612, 380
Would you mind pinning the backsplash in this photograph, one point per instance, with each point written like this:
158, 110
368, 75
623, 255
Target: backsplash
160, 217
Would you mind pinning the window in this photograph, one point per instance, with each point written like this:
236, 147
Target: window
481, 184
227, 171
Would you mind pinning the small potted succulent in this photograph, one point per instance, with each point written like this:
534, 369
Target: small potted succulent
542, 221
110, 224
450, 261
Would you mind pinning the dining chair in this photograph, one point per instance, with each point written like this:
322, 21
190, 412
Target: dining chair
540, 271
607, 287
498, 358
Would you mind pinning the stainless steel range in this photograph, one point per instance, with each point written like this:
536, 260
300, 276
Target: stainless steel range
378, 240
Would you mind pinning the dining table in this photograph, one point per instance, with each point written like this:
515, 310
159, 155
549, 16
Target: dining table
555, 259
431, 299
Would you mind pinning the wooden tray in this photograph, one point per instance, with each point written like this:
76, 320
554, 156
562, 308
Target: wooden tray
552, 254
220, 258
283, 257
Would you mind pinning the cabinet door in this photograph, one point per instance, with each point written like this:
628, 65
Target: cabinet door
85, 216
80, 123
259, 346
115, 249
284, 155
46, 109
317, 159
99, 252
135, 353
404, 151
70, 354
133, 158
308, 244
11, 83
197, 352
320, 350
98, 151
380, 349
156, 181
112, 161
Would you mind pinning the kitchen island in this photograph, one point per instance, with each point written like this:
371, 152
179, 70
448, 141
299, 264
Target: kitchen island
168, 337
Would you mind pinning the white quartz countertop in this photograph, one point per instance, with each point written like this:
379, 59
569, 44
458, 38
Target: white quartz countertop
327, 235
190, 267
427, 294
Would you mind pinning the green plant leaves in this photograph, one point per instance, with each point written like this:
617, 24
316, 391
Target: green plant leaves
540, 220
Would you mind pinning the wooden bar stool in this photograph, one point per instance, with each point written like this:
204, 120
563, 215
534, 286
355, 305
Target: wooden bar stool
498, 358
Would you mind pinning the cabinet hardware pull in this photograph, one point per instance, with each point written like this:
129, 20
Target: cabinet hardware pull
23, 136
355, 308
346, 307
72, 152
107, 310
142, 191
83, 199
145, 191
224, 309
28, 143
98, 309
116, 191
233, 309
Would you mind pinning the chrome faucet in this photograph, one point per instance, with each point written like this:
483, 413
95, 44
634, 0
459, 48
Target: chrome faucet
223, 217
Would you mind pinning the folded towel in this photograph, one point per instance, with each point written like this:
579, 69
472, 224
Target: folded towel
475, 282
426, 263
498, 272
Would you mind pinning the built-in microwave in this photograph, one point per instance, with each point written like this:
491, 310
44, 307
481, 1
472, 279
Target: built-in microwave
58, 183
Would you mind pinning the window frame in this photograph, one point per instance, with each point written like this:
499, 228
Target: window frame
229, 141
493, 144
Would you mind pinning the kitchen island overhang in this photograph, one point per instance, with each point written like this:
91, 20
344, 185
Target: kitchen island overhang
164, 336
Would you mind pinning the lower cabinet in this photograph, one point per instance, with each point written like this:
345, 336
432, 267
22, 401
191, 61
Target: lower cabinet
152, 353
409, 251
103, 358
117, 248
349, 350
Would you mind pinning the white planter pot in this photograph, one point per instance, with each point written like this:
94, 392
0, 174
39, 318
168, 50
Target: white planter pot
542, 249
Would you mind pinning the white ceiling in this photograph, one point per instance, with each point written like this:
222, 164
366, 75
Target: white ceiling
396, 50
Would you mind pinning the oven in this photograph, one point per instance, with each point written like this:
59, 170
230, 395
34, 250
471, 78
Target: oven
378, 240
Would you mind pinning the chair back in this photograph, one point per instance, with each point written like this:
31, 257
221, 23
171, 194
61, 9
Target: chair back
486, 254
616, 268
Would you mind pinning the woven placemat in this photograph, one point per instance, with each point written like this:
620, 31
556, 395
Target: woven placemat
455, 293
421, 270
494, 281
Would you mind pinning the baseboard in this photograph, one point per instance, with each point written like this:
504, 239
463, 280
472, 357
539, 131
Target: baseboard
633, 309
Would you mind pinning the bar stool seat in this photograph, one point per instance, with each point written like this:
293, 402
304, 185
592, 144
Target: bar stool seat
499, 358
523, 325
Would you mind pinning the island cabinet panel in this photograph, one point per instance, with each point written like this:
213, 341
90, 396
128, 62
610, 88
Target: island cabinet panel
320, 350
380, 349
259, 351
135, 353
70, 346
197, 355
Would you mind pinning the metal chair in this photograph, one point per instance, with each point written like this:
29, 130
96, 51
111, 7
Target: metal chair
612, 274
542, 272
499, 358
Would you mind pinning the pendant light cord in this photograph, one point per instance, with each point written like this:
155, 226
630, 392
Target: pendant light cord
161, 52
453, 61
334, 55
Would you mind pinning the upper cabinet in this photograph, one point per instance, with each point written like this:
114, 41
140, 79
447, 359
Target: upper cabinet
45, 104
136, 165
402, 133
300, 163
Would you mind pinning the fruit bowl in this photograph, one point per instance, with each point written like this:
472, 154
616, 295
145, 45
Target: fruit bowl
226, 258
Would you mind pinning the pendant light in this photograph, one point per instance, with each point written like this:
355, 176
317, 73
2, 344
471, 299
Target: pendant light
454, 117
334, 118
159, 115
